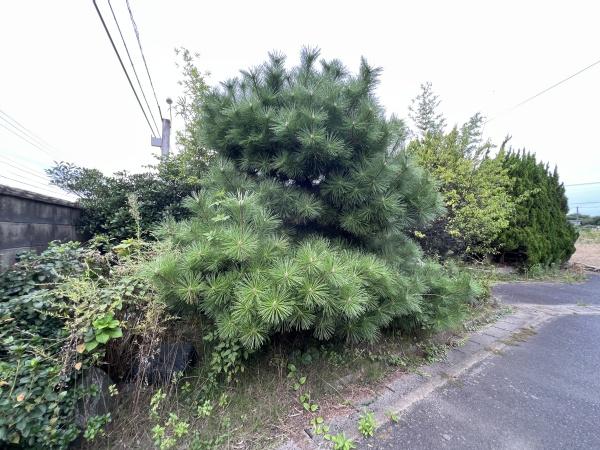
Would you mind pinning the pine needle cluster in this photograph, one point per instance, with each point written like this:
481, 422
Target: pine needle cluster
315, 143
233, 263
305, 217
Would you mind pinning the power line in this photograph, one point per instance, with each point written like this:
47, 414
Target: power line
22, 128
583, 184
133, 66
19, 162
545, 90
137, 35
31, 173
46, 184
28, 184
123, 66
587, 203
20, 135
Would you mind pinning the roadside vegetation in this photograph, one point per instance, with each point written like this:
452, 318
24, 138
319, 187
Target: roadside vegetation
303, 243
589, 236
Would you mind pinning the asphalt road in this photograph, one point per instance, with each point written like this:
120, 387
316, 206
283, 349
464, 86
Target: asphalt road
551, 293
542, 394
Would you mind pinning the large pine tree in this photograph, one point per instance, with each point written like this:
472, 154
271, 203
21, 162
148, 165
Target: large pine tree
305, 217
315, 143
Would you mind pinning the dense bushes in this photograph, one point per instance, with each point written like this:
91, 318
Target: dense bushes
59, 312
539, 232
474, 185
304, 219
252, 281
104, 199
36, 405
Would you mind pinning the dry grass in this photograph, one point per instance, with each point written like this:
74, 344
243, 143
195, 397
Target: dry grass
587, 248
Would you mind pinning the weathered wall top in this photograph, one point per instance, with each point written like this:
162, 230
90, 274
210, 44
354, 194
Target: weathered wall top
30, 221
21, 193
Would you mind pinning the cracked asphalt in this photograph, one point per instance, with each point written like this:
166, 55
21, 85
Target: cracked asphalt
543, 393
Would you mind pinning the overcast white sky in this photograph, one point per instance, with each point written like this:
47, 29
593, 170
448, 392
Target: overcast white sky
60, 78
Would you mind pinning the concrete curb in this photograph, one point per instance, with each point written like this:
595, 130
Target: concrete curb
409, 388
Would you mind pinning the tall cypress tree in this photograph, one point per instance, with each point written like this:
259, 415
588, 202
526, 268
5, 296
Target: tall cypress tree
539, 232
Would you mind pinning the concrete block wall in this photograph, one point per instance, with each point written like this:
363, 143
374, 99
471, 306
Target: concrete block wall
30, 221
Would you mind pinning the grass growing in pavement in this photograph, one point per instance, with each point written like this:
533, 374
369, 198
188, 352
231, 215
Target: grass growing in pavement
493, 274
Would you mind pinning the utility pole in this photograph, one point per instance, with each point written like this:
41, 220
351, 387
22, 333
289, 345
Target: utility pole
164, 142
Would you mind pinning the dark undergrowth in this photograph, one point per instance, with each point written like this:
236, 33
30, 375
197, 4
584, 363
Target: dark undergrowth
283, 389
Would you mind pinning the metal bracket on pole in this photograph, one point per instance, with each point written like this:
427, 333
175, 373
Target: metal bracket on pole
163, 142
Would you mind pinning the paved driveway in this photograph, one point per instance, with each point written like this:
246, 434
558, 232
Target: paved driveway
543, 393
551, 293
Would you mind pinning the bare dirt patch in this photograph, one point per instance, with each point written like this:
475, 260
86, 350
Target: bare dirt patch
587, 253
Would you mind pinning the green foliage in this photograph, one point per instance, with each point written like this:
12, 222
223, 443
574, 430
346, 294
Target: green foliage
366, 424
432, 351
304, 220
52, 306
449, 293
341, 442
539, 232
35, 404
95, 426
424, 112
585, 219
104, 328
168, 434
475, 186
226, 359
313, 142
189, 105
205, 409
105, 199
245, 275
394, 417
32, 272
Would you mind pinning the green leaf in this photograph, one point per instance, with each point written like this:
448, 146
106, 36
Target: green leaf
102, 338
91, 345
116, 333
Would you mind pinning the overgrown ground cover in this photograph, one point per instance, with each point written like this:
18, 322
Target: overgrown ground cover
263, 406
495, 273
